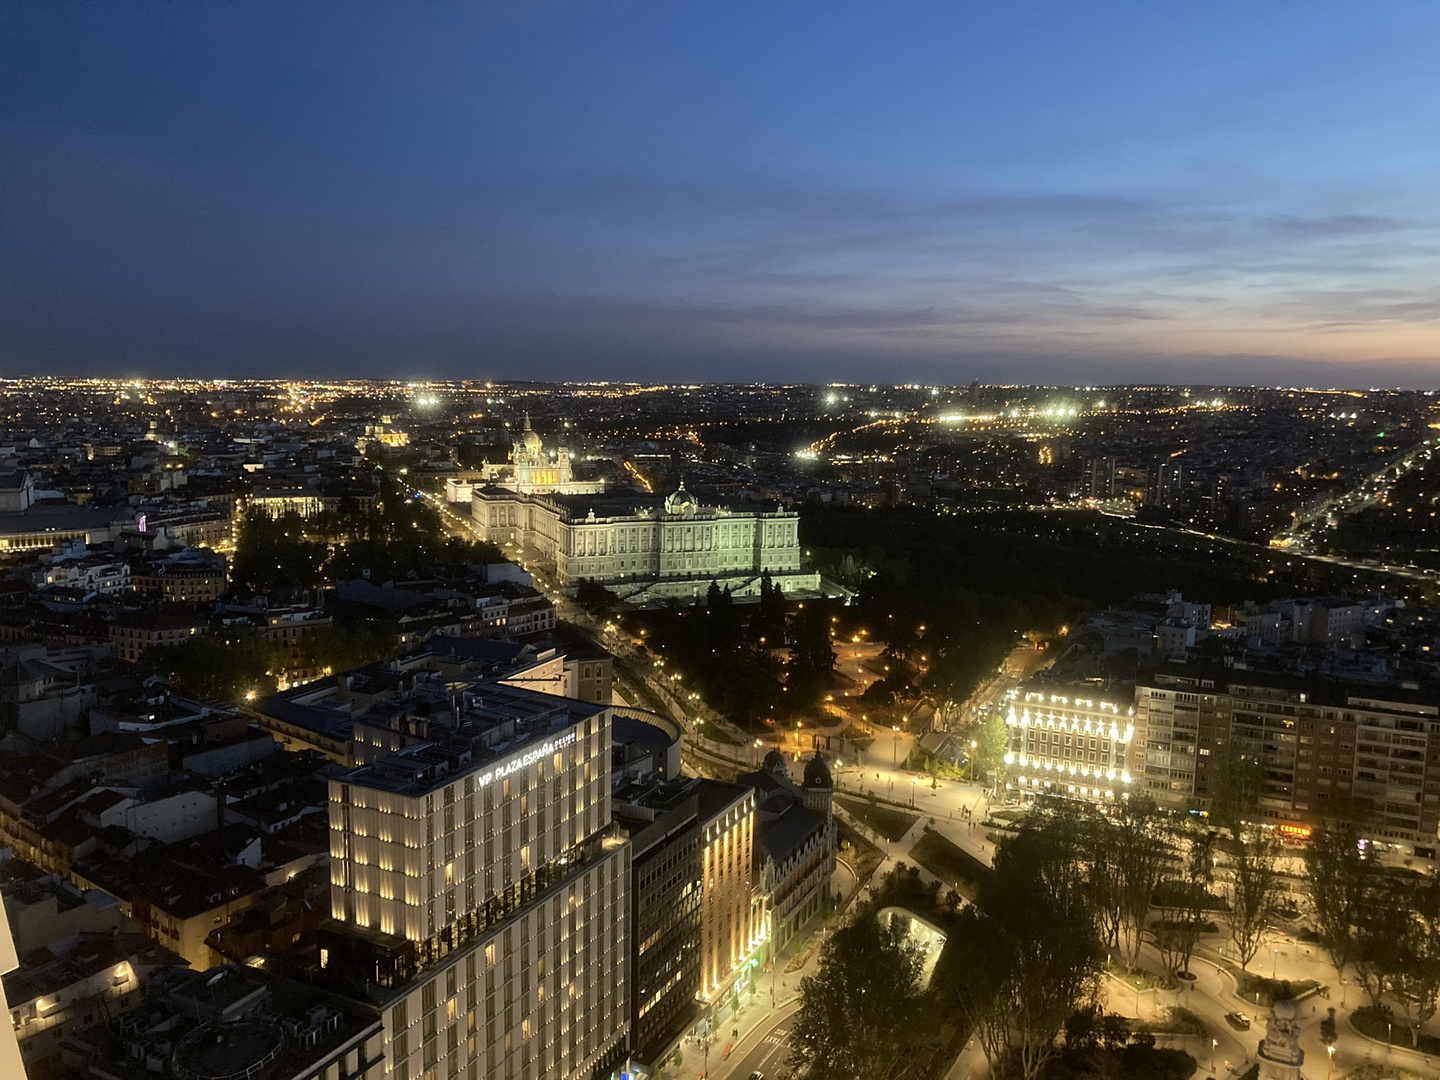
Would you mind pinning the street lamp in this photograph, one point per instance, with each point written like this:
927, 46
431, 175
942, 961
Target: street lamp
1216, 1042
973, 745
912, 791
1274, 952
895, 746
1329, 1072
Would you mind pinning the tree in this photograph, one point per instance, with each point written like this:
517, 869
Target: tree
1415, 984
812, 659
722, 622
768, 622
1141, 849
594, 597
274, 554
1341, 881
1255, 892
856, 1010
1381, 930
238, 665
340, 648
1183, 917
1028, 955
1238, 777
991, 739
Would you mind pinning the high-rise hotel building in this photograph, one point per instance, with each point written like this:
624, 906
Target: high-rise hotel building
480, 895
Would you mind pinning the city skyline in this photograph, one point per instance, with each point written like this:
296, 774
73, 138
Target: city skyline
1234, 196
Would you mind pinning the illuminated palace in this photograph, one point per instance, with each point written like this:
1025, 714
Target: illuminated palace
670, 547
478, 892
1070, 745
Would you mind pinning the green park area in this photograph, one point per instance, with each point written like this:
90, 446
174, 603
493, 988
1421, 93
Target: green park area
949, 862
888, 821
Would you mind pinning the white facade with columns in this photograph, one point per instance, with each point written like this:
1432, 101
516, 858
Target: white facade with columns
672, 548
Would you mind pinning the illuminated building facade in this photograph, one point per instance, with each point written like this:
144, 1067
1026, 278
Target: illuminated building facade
477, 888
688, 900
1069, 745
663, 547
531, 471
732, 923
1317, 742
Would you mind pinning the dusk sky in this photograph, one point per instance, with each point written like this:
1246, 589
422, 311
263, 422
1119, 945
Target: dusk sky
1060, 192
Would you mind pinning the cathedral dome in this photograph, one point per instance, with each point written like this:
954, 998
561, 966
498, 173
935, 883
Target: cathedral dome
817, 773
529, 440
775, 762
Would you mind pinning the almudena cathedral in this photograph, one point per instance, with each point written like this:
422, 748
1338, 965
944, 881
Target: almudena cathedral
644, 547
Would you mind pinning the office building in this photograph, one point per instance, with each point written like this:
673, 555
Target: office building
689, 896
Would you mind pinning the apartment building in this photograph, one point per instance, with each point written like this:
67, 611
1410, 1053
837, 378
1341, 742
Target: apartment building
1318, 742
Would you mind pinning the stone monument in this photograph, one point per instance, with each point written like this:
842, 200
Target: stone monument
1280, 1053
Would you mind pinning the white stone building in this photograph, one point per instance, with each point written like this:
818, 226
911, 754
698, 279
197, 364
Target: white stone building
658, 547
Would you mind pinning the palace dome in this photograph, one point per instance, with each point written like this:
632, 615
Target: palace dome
681, 502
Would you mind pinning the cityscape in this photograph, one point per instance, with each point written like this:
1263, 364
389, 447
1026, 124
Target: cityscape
623, 540
363, 729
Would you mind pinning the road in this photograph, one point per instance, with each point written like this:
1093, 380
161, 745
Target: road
763, 1049
1374, 487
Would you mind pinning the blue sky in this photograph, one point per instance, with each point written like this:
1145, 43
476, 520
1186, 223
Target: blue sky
1068, 192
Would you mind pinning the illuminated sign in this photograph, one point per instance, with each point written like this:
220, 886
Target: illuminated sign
545, 749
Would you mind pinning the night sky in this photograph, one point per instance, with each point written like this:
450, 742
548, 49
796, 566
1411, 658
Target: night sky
1061, 192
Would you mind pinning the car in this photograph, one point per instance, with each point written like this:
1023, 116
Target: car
757, 1075
1238, 1020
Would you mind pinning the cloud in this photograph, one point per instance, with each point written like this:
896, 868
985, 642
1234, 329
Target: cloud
114, 254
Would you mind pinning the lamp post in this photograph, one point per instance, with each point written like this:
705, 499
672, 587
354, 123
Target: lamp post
1213, 1044
895, 746
912, 791
973, 744
1274, 953
1137, 999
1329, 1071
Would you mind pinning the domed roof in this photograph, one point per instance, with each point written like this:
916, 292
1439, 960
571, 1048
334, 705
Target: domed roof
529, 439
775, 762
681, 501
817, 773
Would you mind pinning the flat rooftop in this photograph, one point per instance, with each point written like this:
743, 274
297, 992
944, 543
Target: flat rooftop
497, 723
